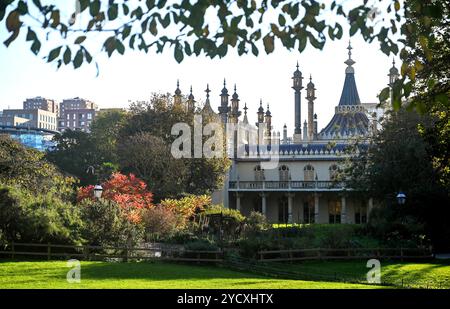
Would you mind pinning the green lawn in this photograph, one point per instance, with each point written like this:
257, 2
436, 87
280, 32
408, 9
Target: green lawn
432, 274
52, 274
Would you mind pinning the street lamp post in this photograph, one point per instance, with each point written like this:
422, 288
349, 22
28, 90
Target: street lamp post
98, 190
401, 198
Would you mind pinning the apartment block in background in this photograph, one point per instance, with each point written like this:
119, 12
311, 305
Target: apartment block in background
41, 103
76, 113
30, 118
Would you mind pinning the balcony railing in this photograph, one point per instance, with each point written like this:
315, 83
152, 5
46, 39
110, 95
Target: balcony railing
293, 185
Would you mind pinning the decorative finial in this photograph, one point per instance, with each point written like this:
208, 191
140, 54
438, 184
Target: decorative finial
224, 82
245, 108
310, 77
191, 89
297, 64
260, 102
267, 106
349, 62
393, 61
178, 91
234, 87
207, 91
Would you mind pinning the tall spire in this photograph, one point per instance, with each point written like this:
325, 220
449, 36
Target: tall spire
234, 110
349, 62
393, 73
207, 108
245, 120
223, 108
177, 96
297, 86
191, 101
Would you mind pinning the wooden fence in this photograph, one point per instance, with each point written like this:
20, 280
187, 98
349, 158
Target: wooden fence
50, 251
344, 254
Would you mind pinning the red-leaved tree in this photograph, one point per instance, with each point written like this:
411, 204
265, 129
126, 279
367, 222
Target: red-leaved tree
129, 192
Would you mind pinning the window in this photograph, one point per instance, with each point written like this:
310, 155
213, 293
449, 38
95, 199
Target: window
74, 116
89, 116
334, 211
308, 212
361, 213
334, 172
68, 116
309, 172
259, 173
284, 173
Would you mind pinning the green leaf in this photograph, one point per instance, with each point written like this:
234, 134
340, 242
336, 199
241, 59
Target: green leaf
80, 39
255, 50
281, 20
78, 60
22, 7
126, 9
268, 43
384, 95
36, 47
13, 37
161, 3
55, 19
67, 57
94, 8
126, 32
353, 29
31, 35
113, 11
178, 53
120, 47
153, 27
54, 53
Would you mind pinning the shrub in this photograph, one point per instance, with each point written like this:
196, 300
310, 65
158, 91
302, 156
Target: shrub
201, 245
218, 219
159, 222
31, 217
186, 208
105, 224
255, 223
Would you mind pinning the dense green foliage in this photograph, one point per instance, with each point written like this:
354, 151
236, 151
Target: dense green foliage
31, 217
400, 159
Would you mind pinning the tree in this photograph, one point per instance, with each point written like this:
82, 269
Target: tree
141, 153
75, 151
399, 159
129, 192
28, 169
244, 25
105, 131
150, 159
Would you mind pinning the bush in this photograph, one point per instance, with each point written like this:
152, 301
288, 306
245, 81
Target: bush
218, 219
105, 224
31, 217
255, 223
201, 245
159, 222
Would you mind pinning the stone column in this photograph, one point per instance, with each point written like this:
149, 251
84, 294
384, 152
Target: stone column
369, 208
264, 204
290, 203
344, 209
316, 207
238, 201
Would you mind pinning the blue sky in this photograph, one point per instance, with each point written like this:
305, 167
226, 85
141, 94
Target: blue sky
136, 75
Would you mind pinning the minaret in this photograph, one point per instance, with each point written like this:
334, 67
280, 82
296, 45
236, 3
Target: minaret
268, 121
260, 114
235, 112
285, 134
315, 127
393, 76
305, 131
310, 96
177, 96
297, 86
191, 102
223, 108
349, 62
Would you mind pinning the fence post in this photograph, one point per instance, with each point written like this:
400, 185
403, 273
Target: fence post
86, 252
48, 252
13, 250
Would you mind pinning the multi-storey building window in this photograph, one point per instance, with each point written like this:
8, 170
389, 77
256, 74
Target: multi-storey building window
259, 173
334, 172
283, 173
308, 172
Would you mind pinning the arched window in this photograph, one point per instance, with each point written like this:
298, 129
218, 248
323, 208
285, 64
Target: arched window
309, 172
284, 173
259, 173
334, 172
